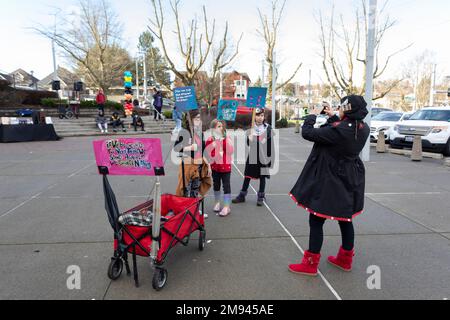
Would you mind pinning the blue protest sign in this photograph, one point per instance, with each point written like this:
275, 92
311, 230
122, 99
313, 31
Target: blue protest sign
185, 99
227, 110
256, 97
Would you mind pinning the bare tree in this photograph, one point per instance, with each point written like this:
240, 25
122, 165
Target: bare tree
344, 46
195, 45
419, 72
269, 32
90, 39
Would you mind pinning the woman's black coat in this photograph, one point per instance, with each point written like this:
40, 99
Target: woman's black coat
332, 182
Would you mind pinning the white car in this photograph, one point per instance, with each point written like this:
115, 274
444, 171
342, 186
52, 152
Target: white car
432, 124
383, 121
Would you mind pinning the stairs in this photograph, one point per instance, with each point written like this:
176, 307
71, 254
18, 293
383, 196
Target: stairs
87, 127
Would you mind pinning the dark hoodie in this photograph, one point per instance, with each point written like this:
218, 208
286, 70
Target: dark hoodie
332, 182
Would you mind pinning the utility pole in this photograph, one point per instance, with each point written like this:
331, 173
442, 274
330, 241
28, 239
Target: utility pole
433, 85
274, 88
369, 72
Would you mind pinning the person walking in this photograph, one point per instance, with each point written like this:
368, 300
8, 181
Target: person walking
332, 183
220, 150
100, 100
260, 158
157, 103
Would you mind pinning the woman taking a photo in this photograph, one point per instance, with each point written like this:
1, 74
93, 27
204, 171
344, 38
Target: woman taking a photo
331, 185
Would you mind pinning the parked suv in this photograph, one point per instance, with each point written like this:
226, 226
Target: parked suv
432, 123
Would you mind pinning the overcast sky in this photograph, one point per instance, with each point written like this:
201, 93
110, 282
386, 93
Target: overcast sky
424, 23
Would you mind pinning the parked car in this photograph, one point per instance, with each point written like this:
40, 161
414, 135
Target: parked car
432, 124
24, 112
384, 121
377, 110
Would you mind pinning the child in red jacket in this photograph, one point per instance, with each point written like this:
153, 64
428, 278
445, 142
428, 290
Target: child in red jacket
219, 149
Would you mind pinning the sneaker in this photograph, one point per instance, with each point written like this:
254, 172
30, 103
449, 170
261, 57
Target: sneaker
225, 212
205, 215
217, 207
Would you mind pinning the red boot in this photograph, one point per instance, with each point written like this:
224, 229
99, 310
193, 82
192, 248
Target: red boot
343, 260
309, 265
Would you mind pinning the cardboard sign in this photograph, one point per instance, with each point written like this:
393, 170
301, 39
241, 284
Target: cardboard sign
227, 110
141, 157
185, 99
256, 97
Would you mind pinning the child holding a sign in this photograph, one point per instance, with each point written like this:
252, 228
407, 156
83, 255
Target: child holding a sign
259, 159
219, 149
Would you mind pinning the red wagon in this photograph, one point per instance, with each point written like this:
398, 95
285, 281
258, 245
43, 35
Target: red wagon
152, 228
186, 218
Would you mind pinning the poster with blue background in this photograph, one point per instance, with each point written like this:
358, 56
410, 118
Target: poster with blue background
185, 99
256, 97
227, 110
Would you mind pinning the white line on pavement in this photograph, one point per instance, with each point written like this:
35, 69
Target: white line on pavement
327, 283
47, 189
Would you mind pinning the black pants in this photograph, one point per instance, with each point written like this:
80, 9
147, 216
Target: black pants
157, 113
262, 184
138, 124
224, 179
117, 123
316, 234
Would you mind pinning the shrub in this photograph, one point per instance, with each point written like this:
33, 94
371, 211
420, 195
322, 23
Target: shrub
167, 114
282, 123
113, 105
52, 102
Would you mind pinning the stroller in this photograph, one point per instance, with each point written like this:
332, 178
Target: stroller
151, 229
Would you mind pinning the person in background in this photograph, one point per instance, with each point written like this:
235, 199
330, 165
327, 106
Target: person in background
101, 122
219, 149
100, 100
137, 121
332, 183
157, 103
116, 121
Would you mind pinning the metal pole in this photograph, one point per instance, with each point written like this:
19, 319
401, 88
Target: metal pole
274, 85
433, 85
145, 77
137, 77
369, 72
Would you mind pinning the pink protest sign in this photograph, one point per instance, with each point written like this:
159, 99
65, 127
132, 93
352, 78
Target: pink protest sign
142, 157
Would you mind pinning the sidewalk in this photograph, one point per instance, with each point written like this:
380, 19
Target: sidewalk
52, 216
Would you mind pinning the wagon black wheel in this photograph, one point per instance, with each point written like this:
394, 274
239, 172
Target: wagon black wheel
69, 114
202, 240
61, 116
115, 268
159, 279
